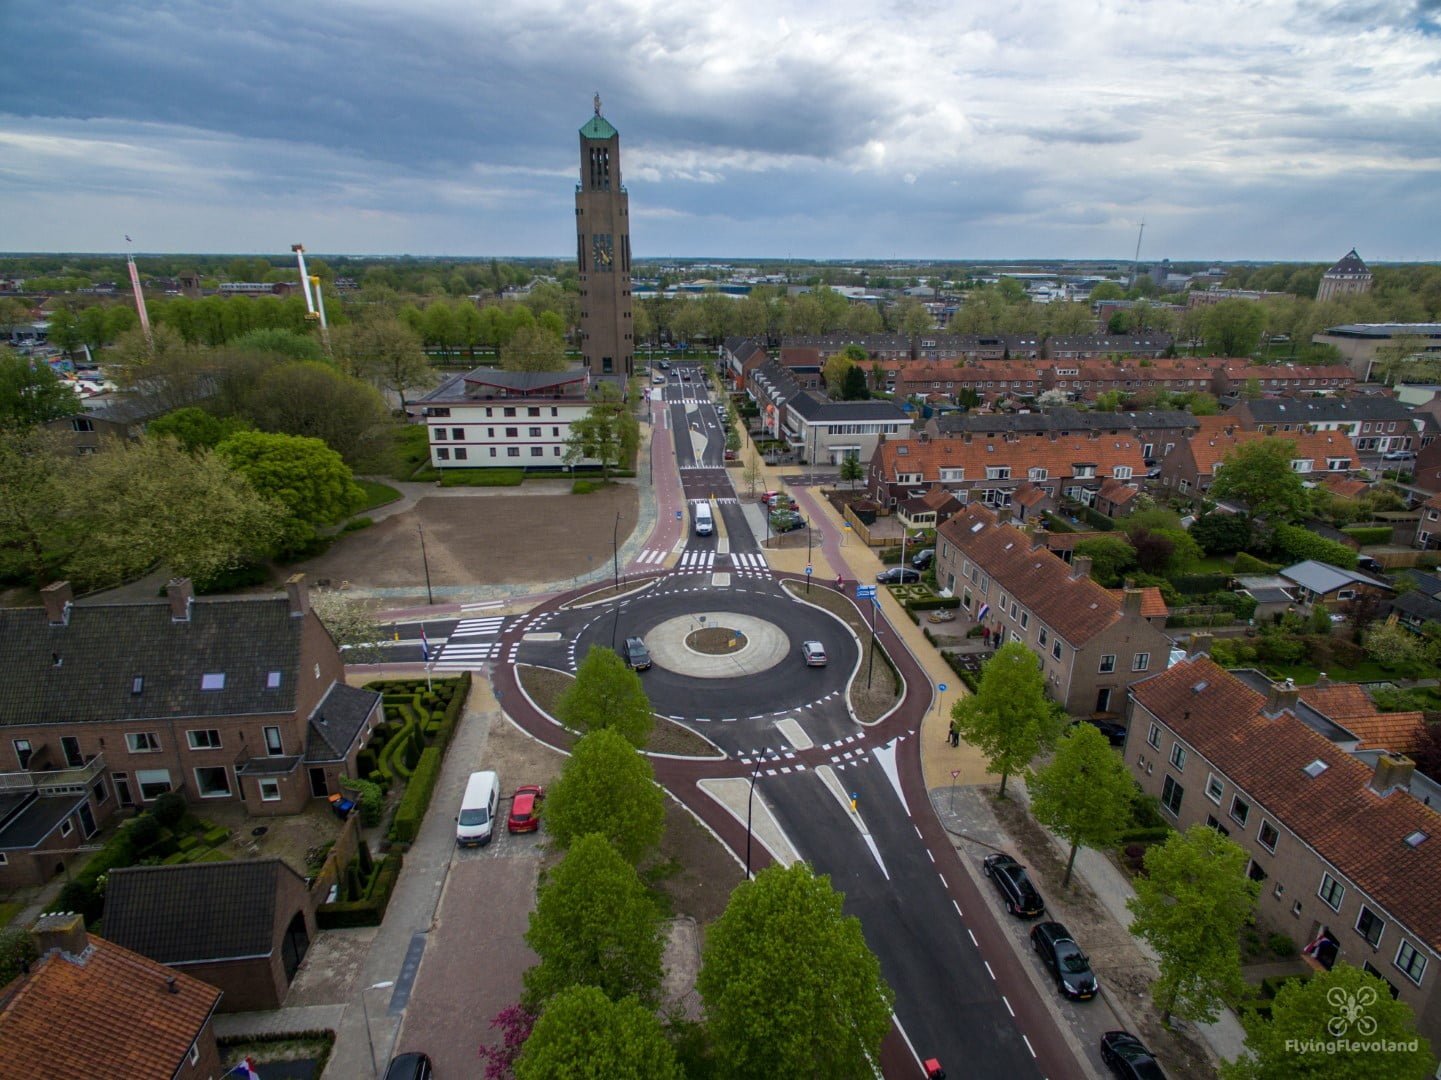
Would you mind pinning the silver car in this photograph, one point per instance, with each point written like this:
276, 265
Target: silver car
814, 653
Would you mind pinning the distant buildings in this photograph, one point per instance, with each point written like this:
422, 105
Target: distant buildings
1358, 342
1349, 277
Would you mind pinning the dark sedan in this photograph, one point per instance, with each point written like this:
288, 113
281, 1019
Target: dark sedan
1014, 885
1115, 733
1070, 967
1128, 1057
898, 575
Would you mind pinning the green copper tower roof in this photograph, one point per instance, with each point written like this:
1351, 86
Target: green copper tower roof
598, 127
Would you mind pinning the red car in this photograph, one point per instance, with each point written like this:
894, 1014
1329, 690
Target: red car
523, 816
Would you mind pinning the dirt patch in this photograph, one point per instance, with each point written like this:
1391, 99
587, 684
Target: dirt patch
693, 871
872, 702
289, 838
485, 539
331, 969
715, 640
545, 685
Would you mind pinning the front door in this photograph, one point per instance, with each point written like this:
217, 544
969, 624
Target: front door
1103, 700
122, 789
318, 786
294, 946
87, 820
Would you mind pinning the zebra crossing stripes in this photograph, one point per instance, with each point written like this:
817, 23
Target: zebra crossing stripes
652, 556
478, 627
696, 560
466, 656
749, 560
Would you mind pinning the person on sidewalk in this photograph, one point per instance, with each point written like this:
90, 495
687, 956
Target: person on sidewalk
840, 583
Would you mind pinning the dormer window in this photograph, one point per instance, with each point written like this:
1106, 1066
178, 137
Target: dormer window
213, 680
272, 681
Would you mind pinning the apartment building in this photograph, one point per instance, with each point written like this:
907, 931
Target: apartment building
817, 428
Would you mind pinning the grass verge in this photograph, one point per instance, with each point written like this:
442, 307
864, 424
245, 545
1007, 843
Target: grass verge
545, 685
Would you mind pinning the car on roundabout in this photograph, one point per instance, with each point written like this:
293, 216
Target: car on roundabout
814, 653
637, 656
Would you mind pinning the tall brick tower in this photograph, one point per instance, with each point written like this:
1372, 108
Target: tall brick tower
602, 227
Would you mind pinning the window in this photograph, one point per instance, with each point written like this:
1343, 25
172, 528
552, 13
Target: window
1211, 822
1331, 891
83, 423
1171, 796
273, 745
537, 451
272, 680
508, 411
153, 783
1042, 636
137, 685
535, 432
270, 791
1039, 474
1411, 962
205, 739
1122, 472
23, 752
142, 742
1178, 756
439, 434
1025, 619
1056, 649
67, 827
457, 433
512, 433
1213, 788
100, 791
1269, 835
1255, 871
512, 451
1153, 736
461, 453
534, 410
1108, 664
213, 680
442, 454
1141, 661
1370, 926
1240, 810
194, 1053
213, 782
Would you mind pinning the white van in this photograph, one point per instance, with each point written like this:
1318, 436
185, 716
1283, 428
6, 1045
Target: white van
477, 809
704, 524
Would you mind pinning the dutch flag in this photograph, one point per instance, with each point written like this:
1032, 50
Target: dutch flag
424, 644
245, 1070
985, 609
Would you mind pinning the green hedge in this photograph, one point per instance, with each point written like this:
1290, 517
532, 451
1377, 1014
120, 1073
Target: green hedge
413, 803
968, 677
1298, 543
367, 912
1369, 534
1056, 523
585, 487
1149, 835
1095, 518
1248, 564
482, 477
933, 603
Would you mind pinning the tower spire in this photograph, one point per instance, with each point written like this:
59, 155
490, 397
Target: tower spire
597, 103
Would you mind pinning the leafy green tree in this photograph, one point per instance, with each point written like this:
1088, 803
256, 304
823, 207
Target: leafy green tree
13, 313
1110, 558
386, 352
304, 476
17, 950
1393, 646
37, 530
594, 924
1008, 718
912, 318
1167, 552
194, 428
852, 470
1190, 907
583, 1035
32, 394
789, 985
65, 331
1084, 794
601, 434
307, 399
1348, 1012
1233, 327
1259, 474
606, 693
1203, 404
533, 348
291, 344
853, 386
1221, 534
606, 787
1109, 401
1107, 290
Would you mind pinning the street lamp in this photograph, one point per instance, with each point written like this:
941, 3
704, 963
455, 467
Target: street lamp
429, 597
750, 802
365, 1011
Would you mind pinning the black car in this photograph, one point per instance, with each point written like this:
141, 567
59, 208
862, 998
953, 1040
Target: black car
1128, 1058
414, 1066
899, 575
783, 521
637, 656
1115, 733
1012, 882
923, 558
1070, 966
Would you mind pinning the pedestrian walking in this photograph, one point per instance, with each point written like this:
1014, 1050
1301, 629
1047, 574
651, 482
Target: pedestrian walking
840, 583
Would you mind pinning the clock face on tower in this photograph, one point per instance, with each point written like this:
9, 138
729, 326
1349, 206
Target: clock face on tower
601, 251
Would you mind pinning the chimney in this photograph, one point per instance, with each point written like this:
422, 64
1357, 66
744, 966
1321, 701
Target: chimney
58, 599
1080, 566
1322, 681
1393, 772
1199, 645
1038, 538
299, 594
1131, 601
1282, 697
181, 595
1003, 515
63, 931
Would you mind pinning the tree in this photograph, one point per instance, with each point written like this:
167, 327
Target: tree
515, 1023
1189, 907
162, 369
37, 529
752, 472
1259, 474
1008, 717
852, 470
1084, 794
594, 924
1107, 290
599, 435
194, 428
789, 985
304, 476
1233, 327
65, 331
1167, 552
386, 352
607, 787
1393, 646
853, 386
1221, 534
583, 1035
1110, 557
912, 318
291, 344
1050, 399
532, 348
1347, 1014
352, 624
18, 951
32, 394
606, 693
308, 399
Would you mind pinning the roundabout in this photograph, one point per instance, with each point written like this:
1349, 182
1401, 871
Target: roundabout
717, 644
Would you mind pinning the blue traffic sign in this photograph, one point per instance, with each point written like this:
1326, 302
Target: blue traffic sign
810, 570
679, 514
941, 687
863, 591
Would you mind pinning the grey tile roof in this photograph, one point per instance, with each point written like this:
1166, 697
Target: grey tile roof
1418, 605
106, 647
1066, 419
1318, 410
1322, 578
821, 410
1349, 263
37, 820
196, 911
337, 720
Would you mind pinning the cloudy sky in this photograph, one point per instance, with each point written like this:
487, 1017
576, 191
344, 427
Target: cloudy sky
1237, 129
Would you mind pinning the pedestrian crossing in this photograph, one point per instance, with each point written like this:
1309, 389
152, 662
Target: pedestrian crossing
747, 562
652, 556
478, 627
692, 561
466, 655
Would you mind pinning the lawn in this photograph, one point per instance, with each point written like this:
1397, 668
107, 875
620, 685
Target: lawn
376, 495
1365, 672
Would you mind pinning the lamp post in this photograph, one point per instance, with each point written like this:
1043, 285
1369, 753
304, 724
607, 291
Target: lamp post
365, 1012
750, 802
429, 597
615, 550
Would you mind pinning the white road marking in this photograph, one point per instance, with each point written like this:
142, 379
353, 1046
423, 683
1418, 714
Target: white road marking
1029, 1047
974, 942
1007, 1004
989, 972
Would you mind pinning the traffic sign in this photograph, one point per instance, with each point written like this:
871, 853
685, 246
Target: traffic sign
845, 525
955, 774
864, 591
810, 570
941, 687
679, 514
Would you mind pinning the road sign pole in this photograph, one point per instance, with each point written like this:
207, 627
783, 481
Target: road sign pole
954, 774
871, 662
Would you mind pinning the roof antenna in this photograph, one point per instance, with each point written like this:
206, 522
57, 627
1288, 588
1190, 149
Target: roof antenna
1137, 258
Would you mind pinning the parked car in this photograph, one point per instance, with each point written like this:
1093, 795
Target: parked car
732, 455
1128, 1057
637, 656
1014, 885
1069, 965
523, 806
814, 653
1398, 455
1115, 733
923, 558
409, 1067
1368, 564
783, 521
664, 365
770, 497
898, 575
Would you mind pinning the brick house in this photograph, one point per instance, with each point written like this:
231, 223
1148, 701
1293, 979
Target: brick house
1345, 855
1191, 468
1330, 586
242, 926
991, 468
1157, 430
90, 1008
1428, 529
1091, 643
813, 425
111, 705
1374, 425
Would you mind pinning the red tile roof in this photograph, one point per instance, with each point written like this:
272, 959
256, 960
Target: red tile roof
1343, 487
1117, 491
1020, 453
1318, 446
1350, 706
1153, 604
1075, 608
1360, 833
108, 1013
